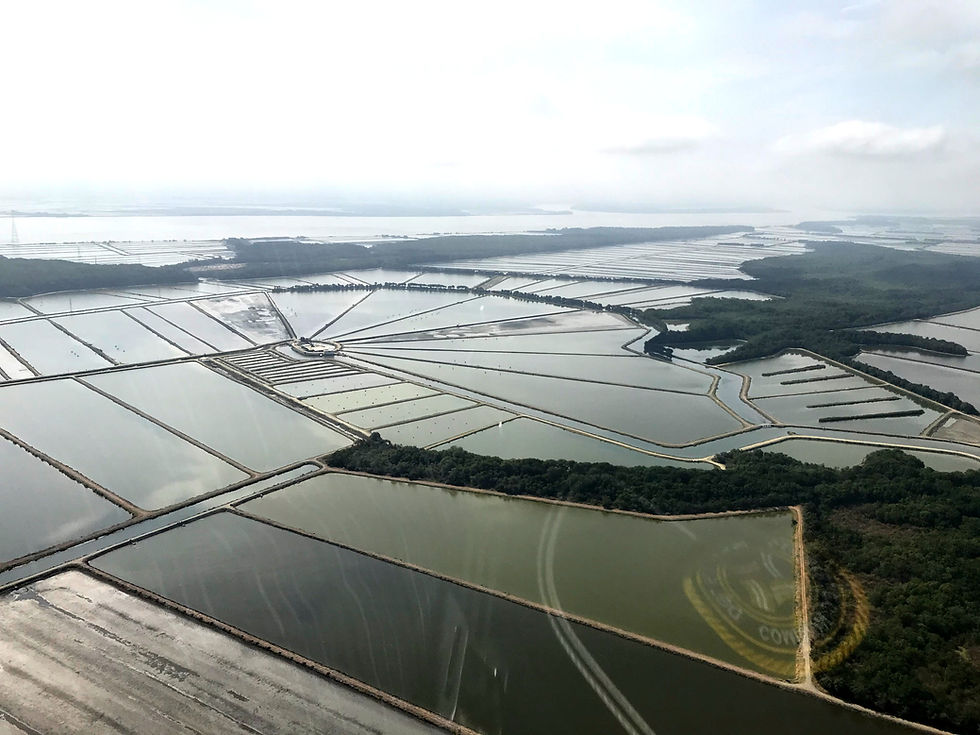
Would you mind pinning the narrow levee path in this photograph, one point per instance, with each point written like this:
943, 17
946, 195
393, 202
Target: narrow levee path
804, 668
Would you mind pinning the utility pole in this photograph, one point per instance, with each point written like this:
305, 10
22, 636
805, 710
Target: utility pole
14, 239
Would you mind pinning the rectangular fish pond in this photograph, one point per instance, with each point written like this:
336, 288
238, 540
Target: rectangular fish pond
488, 663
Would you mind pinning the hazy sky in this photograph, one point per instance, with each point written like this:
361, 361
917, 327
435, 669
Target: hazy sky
861, 105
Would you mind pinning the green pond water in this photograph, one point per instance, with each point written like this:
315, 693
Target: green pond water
490, 664
629, 572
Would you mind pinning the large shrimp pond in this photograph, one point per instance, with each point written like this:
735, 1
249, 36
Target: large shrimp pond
491, 664
636, 574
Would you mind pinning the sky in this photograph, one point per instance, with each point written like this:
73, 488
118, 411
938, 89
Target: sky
851, 106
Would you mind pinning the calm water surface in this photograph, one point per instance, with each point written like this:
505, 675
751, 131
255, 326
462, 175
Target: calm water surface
43, 507
836, 454
229, 417
487, 663
629, 572
111, 445
523, 438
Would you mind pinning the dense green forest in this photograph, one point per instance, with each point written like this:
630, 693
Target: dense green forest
910, 535
289, 257
822, 295
28, 276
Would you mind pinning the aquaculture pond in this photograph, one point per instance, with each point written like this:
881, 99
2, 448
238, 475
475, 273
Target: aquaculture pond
386, 305
310, 311
43, 506
183, 339
231, 418
963, 383
339, 384
121, 338
673, 418
858, 410
622, 369
523, 438
367, 397
49, 350
399, 413
436, 429
12, 368
71, 301
468, 310
118, 449
185, 316
490, 664
251, 314
847, 454
588, 342
935, 328
969, 319
637, 574
13, 310
563, 322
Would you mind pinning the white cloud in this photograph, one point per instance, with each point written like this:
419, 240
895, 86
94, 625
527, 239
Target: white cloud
933, 23
659, 100
966, 56
661, 135
860, 138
